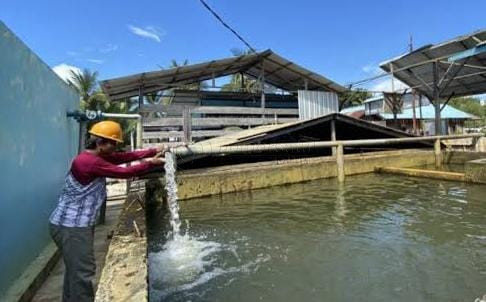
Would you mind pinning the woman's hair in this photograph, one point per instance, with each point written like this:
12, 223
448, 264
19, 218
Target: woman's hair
93, 141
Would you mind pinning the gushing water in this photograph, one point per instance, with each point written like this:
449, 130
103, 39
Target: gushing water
171, 188
186, 261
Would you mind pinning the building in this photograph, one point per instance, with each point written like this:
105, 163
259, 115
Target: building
417, 108
268, 89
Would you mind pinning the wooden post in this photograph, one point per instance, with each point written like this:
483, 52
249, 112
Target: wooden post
340, 162
187, 124
438, 160
333, 136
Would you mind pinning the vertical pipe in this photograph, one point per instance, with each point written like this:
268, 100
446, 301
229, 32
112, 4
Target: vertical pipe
186, 124
263, 92
340, 162
139, 120
414, 120
438, 160
139, 140
333, 136
82, 136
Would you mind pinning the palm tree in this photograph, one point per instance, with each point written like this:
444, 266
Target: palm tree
86, 84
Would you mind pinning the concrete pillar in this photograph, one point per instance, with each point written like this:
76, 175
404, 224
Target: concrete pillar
333, 135
476, 144
340, 162
438, 159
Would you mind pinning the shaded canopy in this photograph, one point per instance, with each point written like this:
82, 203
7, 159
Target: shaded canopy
278, 72
461, 66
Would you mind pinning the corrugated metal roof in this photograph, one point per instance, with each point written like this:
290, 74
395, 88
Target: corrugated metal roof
428, 113
469, 80
278, 72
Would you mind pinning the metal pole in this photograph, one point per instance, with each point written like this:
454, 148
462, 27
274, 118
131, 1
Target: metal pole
414, 120
186, 124
340, 162
263, 92
139, 134
435, 71
206, 149
438, 160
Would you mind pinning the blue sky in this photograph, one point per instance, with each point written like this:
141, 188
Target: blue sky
343, 40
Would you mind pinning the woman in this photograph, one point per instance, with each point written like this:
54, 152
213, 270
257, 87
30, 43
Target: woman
72, 221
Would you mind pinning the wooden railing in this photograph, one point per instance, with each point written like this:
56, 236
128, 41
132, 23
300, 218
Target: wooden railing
186, 122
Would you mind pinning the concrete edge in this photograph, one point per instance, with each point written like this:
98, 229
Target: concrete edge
25, 287
124, 276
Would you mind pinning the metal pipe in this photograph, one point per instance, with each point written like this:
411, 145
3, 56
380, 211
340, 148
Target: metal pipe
208, 149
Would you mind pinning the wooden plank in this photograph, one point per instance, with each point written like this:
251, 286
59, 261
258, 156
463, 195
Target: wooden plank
214, 122
173, 134
178, 108
444, 175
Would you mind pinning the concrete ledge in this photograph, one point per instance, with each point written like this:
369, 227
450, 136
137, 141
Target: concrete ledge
211, 181
476, 171
443, 175
25, 287
125, 274
461, 157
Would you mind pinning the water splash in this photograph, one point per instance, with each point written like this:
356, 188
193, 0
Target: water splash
187, 261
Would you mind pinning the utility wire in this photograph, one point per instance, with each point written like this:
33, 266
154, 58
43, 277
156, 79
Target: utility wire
226, 25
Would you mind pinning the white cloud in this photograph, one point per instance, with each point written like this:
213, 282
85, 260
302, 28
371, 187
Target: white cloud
148, 32
96, 61
371, 69
385, 85
73, 53
64, 71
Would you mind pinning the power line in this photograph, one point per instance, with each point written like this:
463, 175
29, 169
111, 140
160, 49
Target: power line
227, 26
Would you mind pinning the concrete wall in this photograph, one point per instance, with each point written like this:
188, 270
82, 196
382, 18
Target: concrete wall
37, 143
203, 182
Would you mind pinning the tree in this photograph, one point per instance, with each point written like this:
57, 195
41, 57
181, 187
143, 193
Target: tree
250, 85
472, 106
92, 98
353, 98
86, 84
193, 86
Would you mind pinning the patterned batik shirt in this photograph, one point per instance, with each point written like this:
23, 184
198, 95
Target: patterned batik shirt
78, 205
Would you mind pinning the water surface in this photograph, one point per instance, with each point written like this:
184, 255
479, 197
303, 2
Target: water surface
374, 238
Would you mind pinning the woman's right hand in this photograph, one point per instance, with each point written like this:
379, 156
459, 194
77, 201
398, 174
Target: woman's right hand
157, 159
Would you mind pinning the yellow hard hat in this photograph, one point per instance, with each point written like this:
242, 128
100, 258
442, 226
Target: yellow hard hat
108, 129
